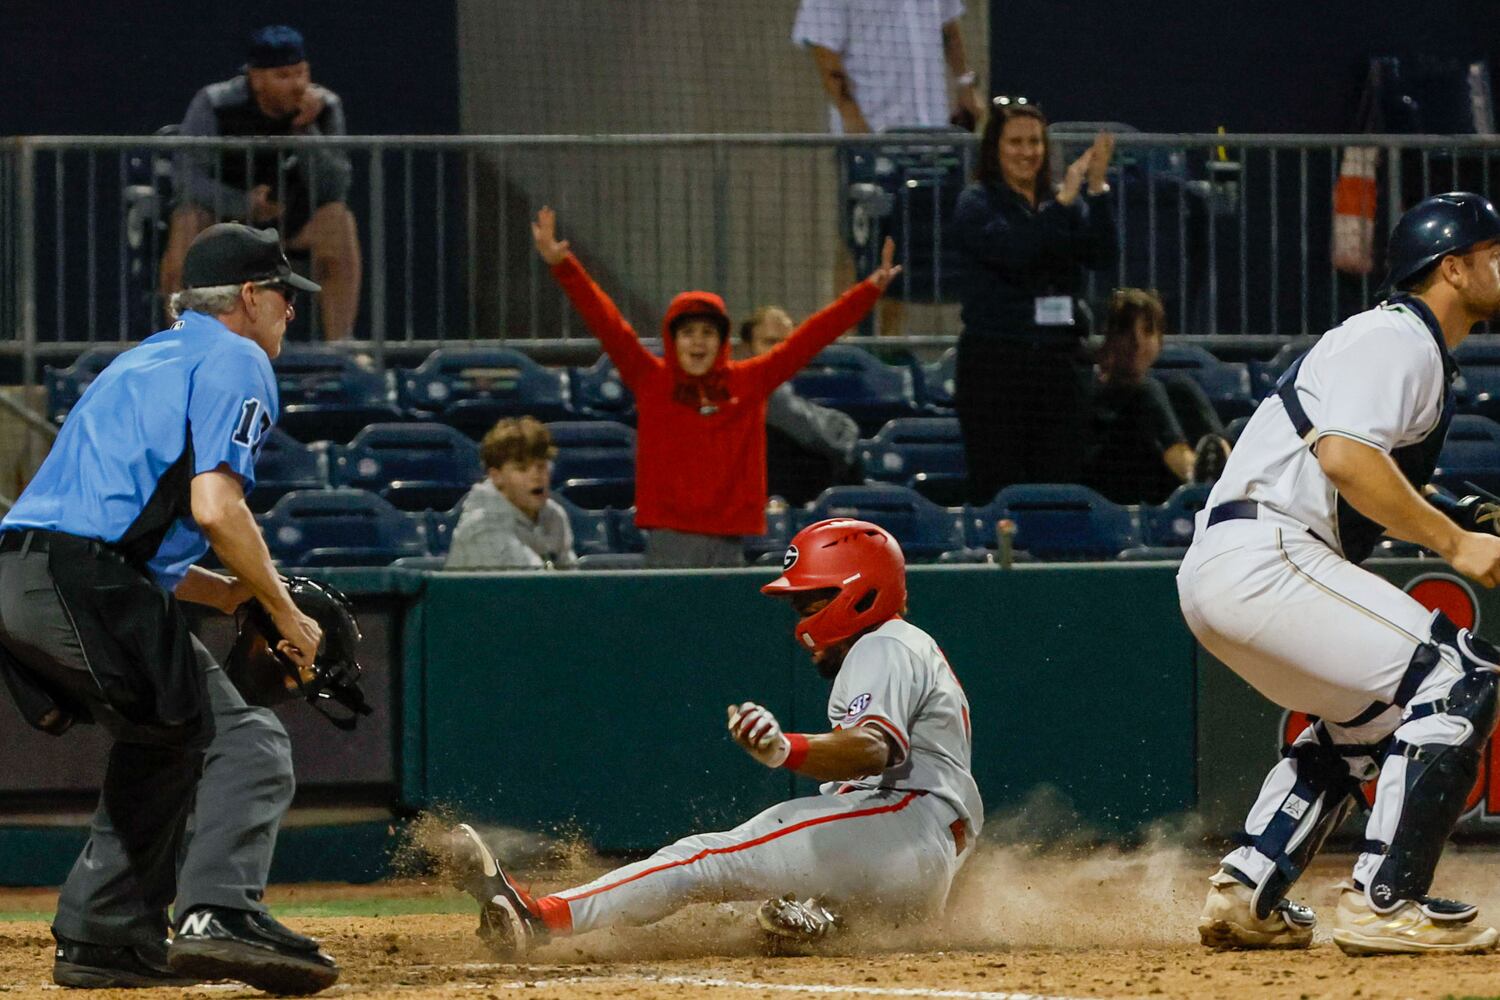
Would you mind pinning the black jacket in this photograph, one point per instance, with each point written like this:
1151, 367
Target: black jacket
1014, 253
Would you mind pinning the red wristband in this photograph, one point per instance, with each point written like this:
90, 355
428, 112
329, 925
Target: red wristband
797, 751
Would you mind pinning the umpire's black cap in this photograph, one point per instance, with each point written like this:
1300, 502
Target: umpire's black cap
1436, 227
231, 253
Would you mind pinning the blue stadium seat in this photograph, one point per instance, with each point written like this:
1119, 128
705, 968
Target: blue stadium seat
1471, 454
1055, 521
924, 453
627, 537
853, 380
1263, 374
599, 393
924, 529
420, 562
1235, 428
595, 464
1226, 383
341, 527
328, 396
592, 529
414, 466
66, 385
777, 537
1171, 523
440, 525
471, 388
286, 464
935, 383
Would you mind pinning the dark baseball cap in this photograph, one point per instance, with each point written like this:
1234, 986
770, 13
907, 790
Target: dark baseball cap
275, 45
231, 253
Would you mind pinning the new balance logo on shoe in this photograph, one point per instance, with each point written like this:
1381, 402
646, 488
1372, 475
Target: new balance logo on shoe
197, 923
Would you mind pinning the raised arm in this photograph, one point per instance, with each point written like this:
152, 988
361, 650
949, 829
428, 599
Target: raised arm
599, 312
824, 327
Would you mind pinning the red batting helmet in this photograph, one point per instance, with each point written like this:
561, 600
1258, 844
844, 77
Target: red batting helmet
858, 559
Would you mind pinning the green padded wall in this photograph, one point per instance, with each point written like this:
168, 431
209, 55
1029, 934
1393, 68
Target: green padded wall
597, 700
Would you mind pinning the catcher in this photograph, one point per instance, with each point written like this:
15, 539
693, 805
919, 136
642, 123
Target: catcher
894, 820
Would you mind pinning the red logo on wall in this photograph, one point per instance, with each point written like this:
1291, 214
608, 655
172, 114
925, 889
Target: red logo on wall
1454, 598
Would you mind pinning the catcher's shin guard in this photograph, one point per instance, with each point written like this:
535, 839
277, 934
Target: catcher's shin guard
1438, 777
1323, 794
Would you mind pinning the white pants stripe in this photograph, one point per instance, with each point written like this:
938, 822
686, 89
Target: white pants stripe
890, 849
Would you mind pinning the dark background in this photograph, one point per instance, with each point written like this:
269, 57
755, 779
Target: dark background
1190, 66
128, 67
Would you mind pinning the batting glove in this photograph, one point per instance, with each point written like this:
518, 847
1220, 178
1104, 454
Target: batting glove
756, 730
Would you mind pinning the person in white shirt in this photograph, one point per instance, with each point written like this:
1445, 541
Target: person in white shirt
886, 63
1340, 453
892, 824
508, 519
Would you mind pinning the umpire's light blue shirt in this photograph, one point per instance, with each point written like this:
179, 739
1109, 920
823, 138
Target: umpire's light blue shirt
187, 400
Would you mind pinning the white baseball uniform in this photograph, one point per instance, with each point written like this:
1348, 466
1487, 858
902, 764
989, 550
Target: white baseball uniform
1271, 592
893, 840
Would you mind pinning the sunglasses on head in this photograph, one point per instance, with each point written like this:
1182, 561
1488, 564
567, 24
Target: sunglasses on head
1005, 101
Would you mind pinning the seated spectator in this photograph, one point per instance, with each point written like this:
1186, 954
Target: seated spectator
301, 192
700, 481
808, 447
1139, 452
508, 520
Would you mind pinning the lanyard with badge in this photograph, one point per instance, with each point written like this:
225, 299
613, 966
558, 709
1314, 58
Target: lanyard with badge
1053, 310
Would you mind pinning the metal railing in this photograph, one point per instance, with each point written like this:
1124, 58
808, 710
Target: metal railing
1234, 230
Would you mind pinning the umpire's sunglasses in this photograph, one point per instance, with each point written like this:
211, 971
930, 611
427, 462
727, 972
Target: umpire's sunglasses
282, 288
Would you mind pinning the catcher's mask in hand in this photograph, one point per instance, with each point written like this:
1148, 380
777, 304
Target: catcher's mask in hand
266, 677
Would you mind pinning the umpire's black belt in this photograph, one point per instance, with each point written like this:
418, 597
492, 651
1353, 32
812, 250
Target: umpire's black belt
41, 540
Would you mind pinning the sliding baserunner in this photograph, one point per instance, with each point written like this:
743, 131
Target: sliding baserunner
893, 822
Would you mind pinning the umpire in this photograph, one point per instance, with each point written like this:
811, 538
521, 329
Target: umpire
150, 469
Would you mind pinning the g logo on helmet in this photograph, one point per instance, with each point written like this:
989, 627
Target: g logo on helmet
789, 559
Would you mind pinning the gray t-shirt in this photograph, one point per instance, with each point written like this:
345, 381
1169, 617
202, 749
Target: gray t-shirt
492, 533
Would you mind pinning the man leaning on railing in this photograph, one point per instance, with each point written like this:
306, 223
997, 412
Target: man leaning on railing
302, 192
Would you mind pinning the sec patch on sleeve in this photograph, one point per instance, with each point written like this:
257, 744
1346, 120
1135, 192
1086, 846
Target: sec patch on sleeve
857, 706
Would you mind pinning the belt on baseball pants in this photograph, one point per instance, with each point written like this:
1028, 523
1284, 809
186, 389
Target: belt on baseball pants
1245, 510
1234, 510
1416, 671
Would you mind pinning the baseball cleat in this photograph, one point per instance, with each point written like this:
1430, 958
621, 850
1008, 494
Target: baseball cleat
1414, 926
507, 917
249, 947
806, 921
79, 965
1229, 921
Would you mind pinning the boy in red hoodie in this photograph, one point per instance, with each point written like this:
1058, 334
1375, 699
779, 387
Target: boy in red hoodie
700, 480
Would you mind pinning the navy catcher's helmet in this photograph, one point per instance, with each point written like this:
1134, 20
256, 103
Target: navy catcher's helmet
1432, 229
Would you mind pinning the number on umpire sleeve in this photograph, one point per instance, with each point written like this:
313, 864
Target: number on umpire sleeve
253, 423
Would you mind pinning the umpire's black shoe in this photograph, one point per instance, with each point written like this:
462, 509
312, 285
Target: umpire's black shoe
84, 966
253, 948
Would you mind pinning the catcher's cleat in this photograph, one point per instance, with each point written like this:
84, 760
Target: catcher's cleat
1415, 926
1229, 921
507, 916
789, 920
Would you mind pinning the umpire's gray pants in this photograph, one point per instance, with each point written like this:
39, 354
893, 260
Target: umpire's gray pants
136, 862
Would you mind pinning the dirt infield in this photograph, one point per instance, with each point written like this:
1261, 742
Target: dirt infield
1104, 924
